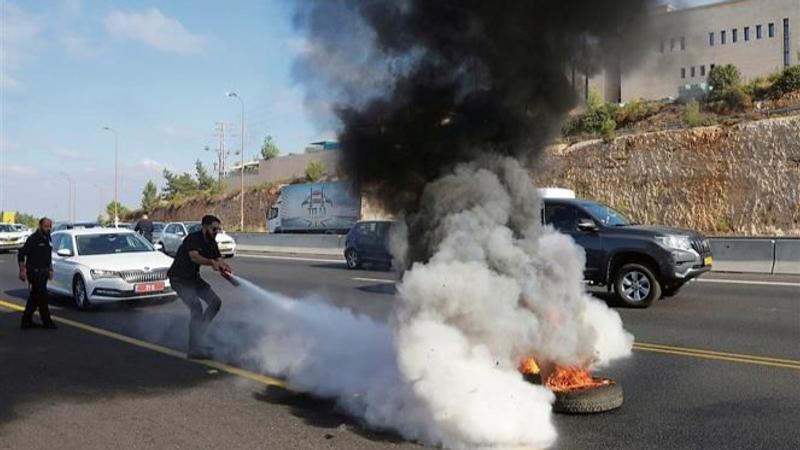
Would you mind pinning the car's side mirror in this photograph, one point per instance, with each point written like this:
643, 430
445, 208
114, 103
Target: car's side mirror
64, 252
158, 247
181, 233
587, 225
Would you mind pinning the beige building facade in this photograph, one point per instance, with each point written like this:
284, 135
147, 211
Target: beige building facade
759, 37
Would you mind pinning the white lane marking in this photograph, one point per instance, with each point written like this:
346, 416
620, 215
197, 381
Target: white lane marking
289, 258
375, 280
756, 283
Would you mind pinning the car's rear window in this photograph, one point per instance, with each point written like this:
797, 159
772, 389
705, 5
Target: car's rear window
111, 243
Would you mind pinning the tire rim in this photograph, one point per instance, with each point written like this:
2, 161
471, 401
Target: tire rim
635, 286
352, 259
80, 293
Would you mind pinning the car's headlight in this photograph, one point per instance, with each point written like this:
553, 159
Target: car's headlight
674, 242
98, 273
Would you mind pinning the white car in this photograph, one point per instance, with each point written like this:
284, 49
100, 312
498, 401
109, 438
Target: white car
102, 265
11, 238
174, 233
22, 229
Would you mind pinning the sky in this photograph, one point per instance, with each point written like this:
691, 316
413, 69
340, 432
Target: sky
155, 72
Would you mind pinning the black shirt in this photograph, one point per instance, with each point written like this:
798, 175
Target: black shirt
183, 267
145, 227
37, 252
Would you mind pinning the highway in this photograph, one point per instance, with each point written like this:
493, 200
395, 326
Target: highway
717, 366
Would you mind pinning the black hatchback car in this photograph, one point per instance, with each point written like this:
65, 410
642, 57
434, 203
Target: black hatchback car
367, 243
639, 263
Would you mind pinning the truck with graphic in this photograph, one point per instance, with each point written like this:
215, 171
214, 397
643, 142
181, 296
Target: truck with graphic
329, 207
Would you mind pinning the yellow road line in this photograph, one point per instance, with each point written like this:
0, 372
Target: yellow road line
745, 359
270, 381
644, 345
257, 377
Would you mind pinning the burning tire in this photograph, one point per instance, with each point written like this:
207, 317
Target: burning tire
587, 401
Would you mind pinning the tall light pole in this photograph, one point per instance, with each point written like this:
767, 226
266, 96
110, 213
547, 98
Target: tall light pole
72, 200
116, 177
241, 168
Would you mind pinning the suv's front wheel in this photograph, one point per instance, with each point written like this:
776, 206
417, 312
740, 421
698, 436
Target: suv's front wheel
636, 286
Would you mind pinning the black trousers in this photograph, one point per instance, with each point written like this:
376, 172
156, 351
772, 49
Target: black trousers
191, 293
37, 296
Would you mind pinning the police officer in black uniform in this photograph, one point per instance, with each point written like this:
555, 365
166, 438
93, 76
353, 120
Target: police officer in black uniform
36, 267
198, 249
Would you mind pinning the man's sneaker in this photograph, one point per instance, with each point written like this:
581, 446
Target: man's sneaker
49, 326
26, 325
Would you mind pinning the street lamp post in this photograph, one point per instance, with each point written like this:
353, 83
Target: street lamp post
72, 191
241, 168
116, 177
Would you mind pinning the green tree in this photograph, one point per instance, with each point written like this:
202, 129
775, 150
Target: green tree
180, 186
149, 196
122, 211
205, 182
788, 81
27, 220
315, 170
722, 79
269, 149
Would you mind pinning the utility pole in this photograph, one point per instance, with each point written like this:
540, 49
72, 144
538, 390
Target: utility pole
241, 168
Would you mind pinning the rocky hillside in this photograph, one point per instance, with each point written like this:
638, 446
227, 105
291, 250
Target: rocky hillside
737, 179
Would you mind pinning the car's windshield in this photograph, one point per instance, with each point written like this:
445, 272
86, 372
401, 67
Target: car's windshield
110, 243
192, 227
4, 228
607, 216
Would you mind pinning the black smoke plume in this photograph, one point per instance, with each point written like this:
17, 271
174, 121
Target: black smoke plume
426, 84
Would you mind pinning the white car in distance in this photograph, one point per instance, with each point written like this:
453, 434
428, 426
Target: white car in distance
175, 232
103, 265
11, 238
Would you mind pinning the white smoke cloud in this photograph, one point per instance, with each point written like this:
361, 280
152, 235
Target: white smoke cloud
444, 371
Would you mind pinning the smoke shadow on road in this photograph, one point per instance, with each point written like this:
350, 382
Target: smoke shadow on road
322, 413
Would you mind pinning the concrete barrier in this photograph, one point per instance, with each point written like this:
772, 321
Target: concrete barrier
753, 255
743, 255
787, 257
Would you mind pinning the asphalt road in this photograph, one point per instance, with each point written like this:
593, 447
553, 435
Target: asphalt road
84, 390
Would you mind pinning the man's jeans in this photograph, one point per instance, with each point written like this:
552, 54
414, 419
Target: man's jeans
191, 292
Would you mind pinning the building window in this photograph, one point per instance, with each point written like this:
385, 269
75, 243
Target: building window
711, 67
735, 35
746, 34
692, 72
703, 70
683, 72
722, 35
787, 58
662, 46
672, 44
711, 39
683, 43
771, 31
759, 32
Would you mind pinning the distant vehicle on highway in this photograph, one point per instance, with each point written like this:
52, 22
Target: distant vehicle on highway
330, 207
175, 232
367, 242
11, 238
75, 225
639, 263
22, 229
101, 265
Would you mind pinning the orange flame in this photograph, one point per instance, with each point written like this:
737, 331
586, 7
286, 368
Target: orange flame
561, 378
528, 366
565, 379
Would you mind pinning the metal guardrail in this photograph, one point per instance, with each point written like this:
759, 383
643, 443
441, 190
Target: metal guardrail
767, 255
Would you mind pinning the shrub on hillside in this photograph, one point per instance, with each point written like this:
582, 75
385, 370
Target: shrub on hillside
635, 111
608, 130
721, 79
788, 81
693, 117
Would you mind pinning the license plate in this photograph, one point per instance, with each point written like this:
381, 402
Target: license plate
708, 261
145, 288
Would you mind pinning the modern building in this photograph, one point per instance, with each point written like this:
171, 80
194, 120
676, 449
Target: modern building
759, 37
